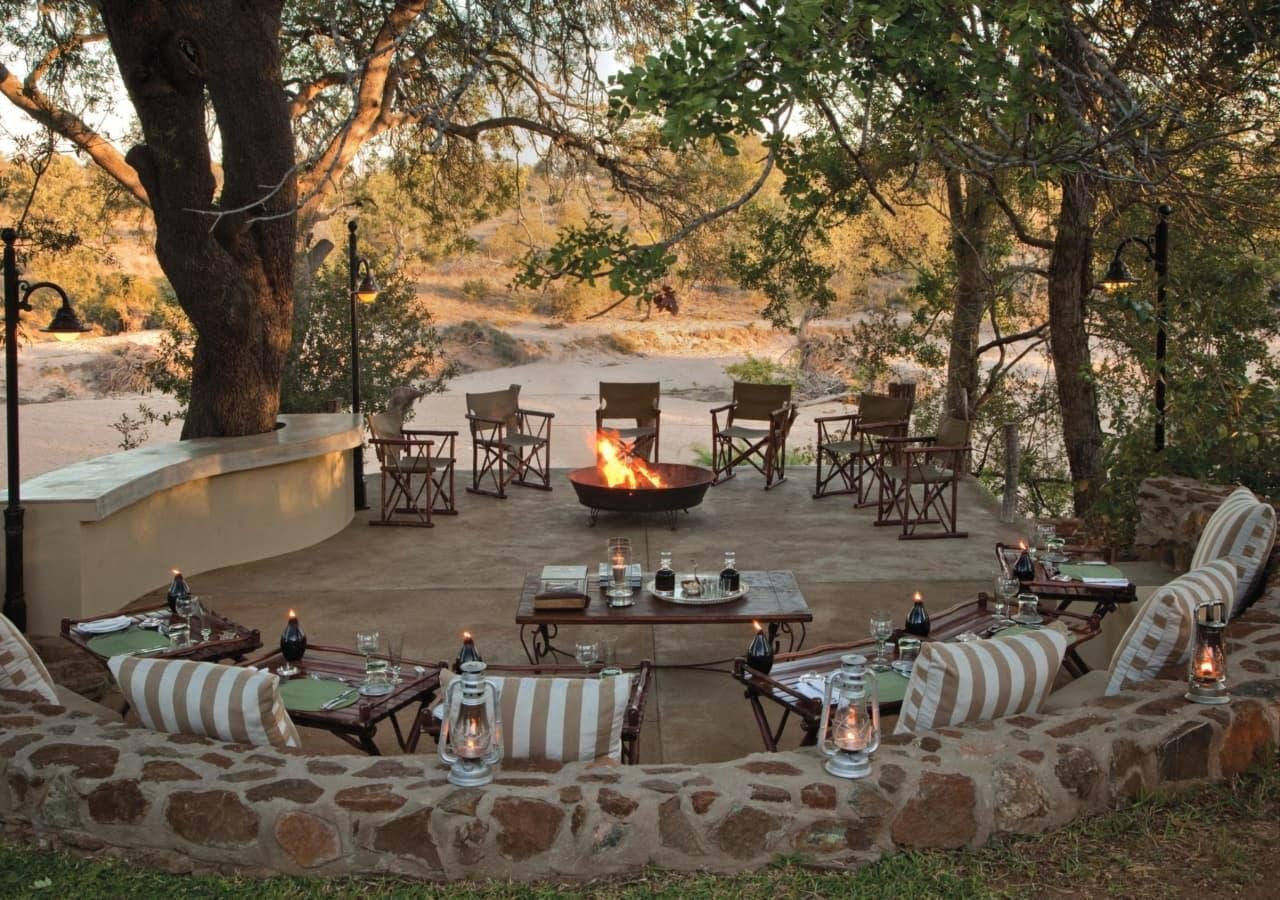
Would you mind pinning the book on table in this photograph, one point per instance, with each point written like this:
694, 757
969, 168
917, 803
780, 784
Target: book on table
561, 587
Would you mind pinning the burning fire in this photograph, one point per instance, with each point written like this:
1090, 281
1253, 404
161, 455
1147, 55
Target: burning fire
620, 471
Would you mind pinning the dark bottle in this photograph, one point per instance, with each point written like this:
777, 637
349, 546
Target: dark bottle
760, 653
665, 578
1024, 569
918, 618
177, 588
467, 653
729, 578
293, 641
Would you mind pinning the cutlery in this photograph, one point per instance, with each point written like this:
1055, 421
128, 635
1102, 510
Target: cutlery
341, 698
321, 676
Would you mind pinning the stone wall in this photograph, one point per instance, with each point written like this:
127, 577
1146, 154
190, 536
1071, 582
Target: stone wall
185, 802
1172, 511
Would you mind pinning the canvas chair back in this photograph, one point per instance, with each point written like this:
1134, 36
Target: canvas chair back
497, 405
953, 432
882, 408
630, 400
759, 401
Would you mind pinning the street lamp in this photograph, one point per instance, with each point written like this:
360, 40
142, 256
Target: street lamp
66, 326
365, 291
1119, 278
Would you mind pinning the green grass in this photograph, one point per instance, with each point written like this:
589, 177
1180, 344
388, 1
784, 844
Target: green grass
1209, 841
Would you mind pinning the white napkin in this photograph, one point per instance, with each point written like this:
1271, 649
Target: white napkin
104, 626
1107, 582
812, 688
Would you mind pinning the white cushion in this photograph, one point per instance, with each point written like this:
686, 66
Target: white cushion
1242, 529
225, 702
1163, 632
560, 719
980, 680
20, 666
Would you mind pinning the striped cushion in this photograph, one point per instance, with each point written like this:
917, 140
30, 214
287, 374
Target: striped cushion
560, 719
224, 702
980, 680
1162, 633
1242, 529
20, 665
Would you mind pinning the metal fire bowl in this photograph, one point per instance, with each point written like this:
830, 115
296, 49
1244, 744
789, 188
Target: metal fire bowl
685, 487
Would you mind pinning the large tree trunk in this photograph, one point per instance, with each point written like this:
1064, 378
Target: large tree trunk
1069, 283
972, 212
230, 259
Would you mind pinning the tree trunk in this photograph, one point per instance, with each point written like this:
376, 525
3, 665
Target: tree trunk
229, 253
1069, 282
972, 213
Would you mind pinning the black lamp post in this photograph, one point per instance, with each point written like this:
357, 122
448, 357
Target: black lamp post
66, 326
1118, 278
366, 291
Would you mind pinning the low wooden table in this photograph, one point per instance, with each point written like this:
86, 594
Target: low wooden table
781, 685
357, 724
772, 598
1103, 596
228, 639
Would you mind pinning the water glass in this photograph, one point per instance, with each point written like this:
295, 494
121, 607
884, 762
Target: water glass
377, 678
587, 652
1045, 532
395, 656
908, 651
1007, 589
609, 657
1028, 609
180, 634
881, 631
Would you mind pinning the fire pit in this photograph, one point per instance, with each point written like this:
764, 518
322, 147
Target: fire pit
622, 484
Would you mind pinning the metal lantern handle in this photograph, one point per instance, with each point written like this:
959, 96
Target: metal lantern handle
491, 697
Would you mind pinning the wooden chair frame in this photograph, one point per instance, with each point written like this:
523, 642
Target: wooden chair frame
848, 454
502, 454
632, 721
764, 449
918, 459
408, 485
442, 467
636, 400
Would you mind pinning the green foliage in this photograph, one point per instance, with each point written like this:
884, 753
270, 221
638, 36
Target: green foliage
755, 370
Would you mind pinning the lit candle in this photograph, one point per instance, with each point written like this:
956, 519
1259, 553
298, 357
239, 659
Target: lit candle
619, 569
850, 734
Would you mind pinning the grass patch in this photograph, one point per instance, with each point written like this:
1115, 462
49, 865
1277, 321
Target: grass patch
1206, 841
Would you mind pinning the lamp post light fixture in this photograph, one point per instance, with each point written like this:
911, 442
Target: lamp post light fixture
1119, 278
364, 290
66, 326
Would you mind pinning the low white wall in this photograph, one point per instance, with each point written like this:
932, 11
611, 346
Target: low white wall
102, 532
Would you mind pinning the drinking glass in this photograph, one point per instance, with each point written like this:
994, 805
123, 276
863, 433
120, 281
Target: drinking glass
587, 653
1029, 609
1007, 588
1045, 532
908, 651
367, 642
619, 549
881, 630
609, 657
395, 655
184, 605
199, 620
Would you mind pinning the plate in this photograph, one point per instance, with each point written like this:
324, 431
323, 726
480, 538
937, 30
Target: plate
1037, 619
711, 592
376, 690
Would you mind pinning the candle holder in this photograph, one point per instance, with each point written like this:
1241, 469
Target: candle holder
760, 652
1207, 681
293, 644
850, 728
471, 734
619, 591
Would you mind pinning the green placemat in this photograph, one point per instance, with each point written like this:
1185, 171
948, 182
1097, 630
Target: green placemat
892, 686
311, 694
1014, 631
1080, 572
132, 640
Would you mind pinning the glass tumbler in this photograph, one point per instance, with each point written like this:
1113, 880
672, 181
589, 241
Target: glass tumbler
619, 550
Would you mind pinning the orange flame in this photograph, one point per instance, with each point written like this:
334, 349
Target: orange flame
466, 635
1022, 545
618, 471
176, 573
757, 625
916, 597
292, 614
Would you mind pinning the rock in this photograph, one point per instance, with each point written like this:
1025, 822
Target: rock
9, 749
1128, 769
674, 830
664, 770
599, 778
608, 835
1185, 754
744, 833
1248, 739
1035, 756
523, 782
818, 796
243, 775
369, 798
86, 760
1075, 726
165, 770
769, 767
579, 817
1019, 798
697, 781
528, 826
770, 794
615, 804
215, 759
117, 801
61, 807
295, 790
661, 786
701, 801
865, 829
1077, 771
891, 778
410, 835
211, 817
324, 767
462, 802
822, 836
930, 744
307, 840
389, 768
468, 841
941, 815
571, 794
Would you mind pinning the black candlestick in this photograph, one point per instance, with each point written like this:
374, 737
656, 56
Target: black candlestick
760, 653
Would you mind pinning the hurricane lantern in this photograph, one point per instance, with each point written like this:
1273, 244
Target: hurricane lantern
1208, 676
850, 728
471, 734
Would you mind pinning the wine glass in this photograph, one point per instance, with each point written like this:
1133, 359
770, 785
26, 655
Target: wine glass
587, 653
395, 655
1007, 588
184, 606
367, 642
881, 630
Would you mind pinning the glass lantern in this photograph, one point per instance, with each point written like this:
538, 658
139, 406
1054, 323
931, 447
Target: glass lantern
850, 729
1207, 679
471, 734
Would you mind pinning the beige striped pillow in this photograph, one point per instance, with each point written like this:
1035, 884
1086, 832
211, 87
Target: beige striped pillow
980, 680
225, 702
21, 668
1242, 529
1162, 633
560, 719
